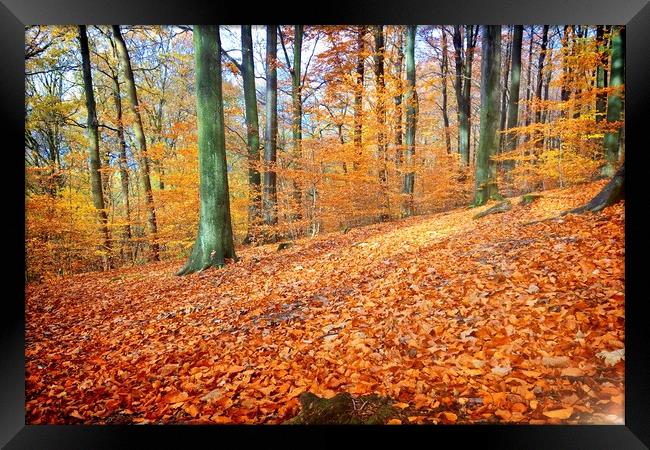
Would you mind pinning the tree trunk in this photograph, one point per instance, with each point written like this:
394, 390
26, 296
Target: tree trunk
565, 92
93, 141
444, 69
504, 92
463, 87
358, 98
252, 133
411, 121
529, 81
601, 74
398, 101
486, 187
138, 130
122, 161
540, 78
381, 119
513, 98
613, 192
296, 97
614, 101
271, 134
214, 242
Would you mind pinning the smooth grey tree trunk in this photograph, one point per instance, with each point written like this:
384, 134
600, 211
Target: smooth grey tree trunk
504, 91
485, 184
214, 242
381, 120
411, 122
444, 70
397, 99
138, 130
296, 97
358, 97
601, 74
270, 198
513, 98
93, 142
464, 59
614, 101
252, 133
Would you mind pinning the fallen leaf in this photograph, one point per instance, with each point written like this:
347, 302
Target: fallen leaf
563, 413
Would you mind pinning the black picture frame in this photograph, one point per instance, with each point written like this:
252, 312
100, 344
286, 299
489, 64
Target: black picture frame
14, 14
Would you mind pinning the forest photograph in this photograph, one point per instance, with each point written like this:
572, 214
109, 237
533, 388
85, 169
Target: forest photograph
324, 224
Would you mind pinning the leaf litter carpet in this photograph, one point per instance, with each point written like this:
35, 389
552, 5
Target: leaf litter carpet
455, 320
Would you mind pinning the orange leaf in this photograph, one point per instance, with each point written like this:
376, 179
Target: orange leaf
220, 419
572, 372
564, 413
175, 397
295, 392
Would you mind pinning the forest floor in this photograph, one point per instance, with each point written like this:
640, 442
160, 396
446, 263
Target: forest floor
455, 320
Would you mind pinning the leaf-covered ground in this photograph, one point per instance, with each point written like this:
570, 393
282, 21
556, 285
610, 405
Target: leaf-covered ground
456, 320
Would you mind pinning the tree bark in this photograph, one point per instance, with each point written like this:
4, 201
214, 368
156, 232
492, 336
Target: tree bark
397, 98
486, 187
411, 121
358, 97
296, 100
122, 161
271, 133
464, 60
252, 133
444, 69
504, 92
93, 141
381, 119
214, 242
540, 68
513, 98
614, 100
601, 74
138, 130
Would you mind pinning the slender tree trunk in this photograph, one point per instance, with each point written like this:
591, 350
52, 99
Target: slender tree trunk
504, 95
358, 98
540, 78
547, 85
252, 133
93, 142
214, 242
529, 81
444, 70
486, 187
138, 130
122, 160
513, 98
614, 100
296, 97
399, 87
271, 134
565, 92
381, 119
411, 121
463, 87
601, 74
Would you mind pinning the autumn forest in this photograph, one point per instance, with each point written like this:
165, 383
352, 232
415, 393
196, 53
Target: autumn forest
386, 224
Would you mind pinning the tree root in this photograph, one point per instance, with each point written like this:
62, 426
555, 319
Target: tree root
498, 208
